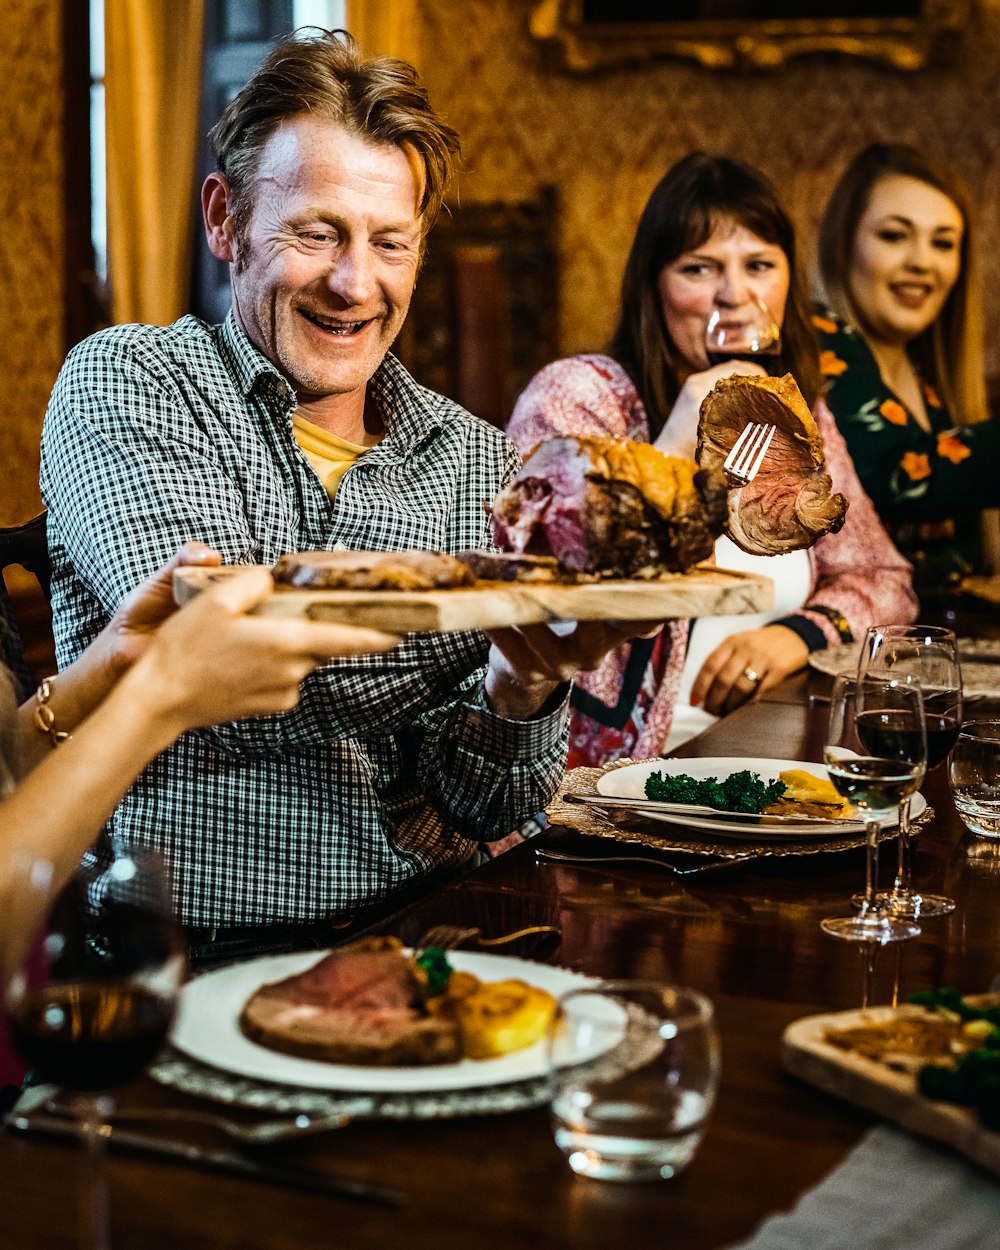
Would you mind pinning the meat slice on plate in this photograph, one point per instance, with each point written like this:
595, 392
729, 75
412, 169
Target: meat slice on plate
790, 503
612, 507
361, 1004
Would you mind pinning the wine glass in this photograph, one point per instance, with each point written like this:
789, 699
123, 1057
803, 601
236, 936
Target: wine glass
930, 654
92, 973
748, 332
876, 754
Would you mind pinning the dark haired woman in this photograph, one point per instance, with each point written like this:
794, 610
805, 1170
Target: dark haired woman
711, 236
903, 353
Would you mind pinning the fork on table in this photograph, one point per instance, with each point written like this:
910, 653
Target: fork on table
747, 454
449, 937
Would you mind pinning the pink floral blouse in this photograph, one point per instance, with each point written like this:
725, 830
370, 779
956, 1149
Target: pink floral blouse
856, 572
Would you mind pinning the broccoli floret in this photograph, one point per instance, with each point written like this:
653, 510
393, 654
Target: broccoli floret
746, 792
947, 998
739, 792
435, 963
938, 1082
680, 789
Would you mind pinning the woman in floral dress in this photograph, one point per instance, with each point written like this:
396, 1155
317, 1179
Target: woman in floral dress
711, 236
903, 358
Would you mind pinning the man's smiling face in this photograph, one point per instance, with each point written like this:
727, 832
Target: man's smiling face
323, 277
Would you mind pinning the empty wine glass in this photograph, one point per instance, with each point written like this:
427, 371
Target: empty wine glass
930, 654
92, 976
748, 332
876, 754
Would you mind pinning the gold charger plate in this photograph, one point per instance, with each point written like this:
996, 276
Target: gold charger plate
642, 831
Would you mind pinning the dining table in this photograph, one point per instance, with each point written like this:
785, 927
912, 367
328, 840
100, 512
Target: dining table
748, 937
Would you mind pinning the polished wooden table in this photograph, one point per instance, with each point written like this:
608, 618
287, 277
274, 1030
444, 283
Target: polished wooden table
749, 937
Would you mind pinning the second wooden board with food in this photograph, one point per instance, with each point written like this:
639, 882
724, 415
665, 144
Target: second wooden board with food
703, 591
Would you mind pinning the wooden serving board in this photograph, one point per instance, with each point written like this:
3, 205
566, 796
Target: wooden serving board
704, 591
886, 1091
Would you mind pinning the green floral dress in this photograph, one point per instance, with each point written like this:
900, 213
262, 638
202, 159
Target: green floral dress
928, 488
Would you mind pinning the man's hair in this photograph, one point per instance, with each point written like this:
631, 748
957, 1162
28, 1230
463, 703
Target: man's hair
699, 194
949, 353
322, 73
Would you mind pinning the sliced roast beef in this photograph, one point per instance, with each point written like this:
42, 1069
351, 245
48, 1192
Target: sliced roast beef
504, 566
789, 504
361, 1004
611, 507
371, 570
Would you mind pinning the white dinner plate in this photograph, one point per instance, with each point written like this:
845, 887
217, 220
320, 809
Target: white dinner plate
630, 782
207, 1028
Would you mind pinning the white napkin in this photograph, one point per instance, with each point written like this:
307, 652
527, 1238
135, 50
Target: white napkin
892, 1192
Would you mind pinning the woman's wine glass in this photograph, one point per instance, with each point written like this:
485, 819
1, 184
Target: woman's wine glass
876, 754
92, 977
748, 332
930, 654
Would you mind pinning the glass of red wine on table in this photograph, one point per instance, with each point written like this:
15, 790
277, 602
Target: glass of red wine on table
747, 332
91, 974
930, 655
876, 755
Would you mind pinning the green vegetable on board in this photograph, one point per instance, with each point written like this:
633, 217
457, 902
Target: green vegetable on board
974, 1078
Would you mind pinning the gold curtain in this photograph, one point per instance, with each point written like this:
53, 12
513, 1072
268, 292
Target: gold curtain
385, 28
153, 54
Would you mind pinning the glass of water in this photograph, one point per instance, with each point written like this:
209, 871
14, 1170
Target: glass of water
974, 774
634, 1069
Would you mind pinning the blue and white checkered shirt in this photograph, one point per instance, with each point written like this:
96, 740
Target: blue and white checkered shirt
391, 766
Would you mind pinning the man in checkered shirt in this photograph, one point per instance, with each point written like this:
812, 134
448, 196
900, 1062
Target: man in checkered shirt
290, 428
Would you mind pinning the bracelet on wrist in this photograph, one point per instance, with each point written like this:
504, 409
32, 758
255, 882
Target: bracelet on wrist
45, 718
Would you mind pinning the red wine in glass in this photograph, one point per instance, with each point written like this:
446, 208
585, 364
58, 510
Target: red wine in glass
93, 973
90, 1036
885, 733
769, 359
929, 654
747, 333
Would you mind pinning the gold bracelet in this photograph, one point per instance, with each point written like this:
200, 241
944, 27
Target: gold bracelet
45, 718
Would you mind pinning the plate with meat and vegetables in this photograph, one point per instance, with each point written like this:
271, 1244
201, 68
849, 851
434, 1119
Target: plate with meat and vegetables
375, 1016
742, 798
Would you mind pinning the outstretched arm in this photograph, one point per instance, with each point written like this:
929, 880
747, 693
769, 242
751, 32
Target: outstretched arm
141, 685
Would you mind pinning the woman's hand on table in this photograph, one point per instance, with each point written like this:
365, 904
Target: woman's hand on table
746, 664
679, 435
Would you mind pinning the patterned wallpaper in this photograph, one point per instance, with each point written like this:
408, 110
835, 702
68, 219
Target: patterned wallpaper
605, 139
31, 242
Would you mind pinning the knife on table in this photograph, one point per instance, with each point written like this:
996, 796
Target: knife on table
608, 801
227, 1161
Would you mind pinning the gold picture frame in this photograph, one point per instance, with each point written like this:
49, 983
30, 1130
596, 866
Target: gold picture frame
743, 42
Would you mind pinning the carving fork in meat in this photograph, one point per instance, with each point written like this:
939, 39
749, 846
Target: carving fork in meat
747, 455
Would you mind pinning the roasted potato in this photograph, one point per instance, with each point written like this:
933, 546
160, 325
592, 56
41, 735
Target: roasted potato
494, 1017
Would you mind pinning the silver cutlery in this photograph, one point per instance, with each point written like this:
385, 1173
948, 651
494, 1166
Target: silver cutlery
228, 1161
693, 870
607, 802
448, 937
262, 1133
